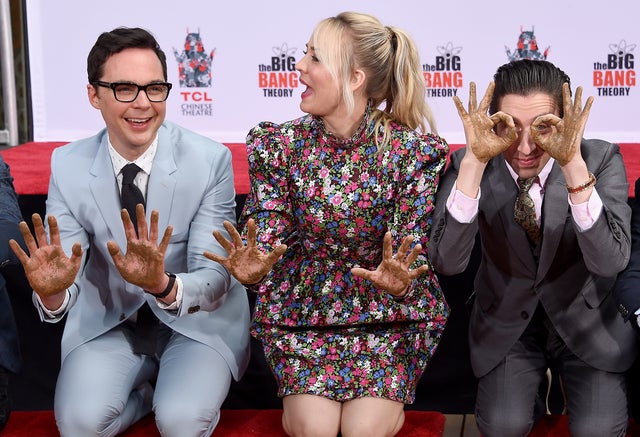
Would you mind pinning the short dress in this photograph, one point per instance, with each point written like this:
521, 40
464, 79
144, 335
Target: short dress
324, 331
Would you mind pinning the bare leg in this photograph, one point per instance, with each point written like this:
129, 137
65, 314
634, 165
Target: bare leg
311, 416
372, 417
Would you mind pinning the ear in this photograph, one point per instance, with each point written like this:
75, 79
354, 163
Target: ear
358, 78
92, 94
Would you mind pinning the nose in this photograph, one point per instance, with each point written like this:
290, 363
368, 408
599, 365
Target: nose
300, 64
526, 145
141, 99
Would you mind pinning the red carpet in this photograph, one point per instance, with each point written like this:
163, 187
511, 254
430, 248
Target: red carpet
233, 423
266, 423
30, 165
558, 426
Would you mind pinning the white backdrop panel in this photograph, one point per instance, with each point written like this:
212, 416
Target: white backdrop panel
583, 37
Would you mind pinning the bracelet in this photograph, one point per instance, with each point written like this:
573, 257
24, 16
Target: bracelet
583, 187
407, 294
165, 293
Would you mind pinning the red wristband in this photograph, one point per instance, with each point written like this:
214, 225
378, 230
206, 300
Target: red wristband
582, 187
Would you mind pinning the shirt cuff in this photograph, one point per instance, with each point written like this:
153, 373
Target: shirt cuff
53, 314
175, 304
587, 213
462, 207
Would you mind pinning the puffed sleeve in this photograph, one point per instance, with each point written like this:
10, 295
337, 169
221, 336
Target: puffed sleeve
421, 168
269, 201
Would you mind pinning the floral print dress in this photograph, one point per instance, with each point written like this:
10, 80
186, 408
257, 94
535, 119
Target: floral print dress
324, 331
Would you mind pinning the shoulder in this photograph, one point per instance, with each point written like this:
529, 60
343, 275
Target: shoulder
186, 142
423, 143
597, 153
78, 150
598, 147
267, 129
179, 135
270, 135
263, 132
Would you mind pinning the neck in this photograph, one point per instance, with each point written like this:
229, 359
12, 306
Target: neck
342, 125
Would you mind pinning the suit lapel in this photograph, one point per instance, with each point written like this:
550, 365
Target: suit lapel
554, 212
501, 193
106, 195
162, 181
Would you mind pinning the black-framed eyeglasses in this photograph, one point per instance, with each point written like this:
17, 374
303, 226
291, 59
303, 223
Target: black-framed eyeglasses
127, 92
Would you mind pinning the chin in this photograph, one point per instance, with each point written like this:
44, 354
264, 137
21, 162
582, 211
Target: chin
304, 107
528, 172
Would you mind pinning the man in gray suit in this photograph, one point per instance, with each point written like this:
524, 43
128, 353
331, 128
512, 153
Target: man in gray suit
10, 270
186, 181
542, 296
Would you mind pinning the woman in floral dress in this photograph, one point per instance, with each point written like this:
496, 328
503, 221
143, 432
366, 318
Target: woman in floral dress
349, 310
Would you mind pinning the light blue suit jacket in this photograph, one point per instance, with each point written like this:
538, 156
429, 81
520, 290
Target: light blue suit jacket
191, 186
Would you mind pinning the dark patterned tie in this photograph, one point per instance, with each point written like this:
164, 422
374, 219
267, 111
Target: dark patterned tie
146, 332
525, 210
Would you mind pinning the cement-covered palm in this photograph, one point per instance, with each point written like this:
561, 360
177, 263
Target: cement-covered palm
479, 127
143, 263
245, 261
560, 137
48, 269
394, 274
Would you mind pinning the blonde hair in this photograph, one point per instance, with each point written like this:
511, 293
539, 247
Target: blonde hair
390, 60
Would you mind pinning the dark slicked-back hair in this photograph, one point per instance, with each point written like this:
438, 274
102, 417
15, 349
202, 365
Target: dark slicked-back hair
119, 39
526, 76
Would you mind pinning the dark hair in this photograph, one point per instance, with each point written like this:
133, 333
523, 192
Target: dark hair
119, 39
527, 76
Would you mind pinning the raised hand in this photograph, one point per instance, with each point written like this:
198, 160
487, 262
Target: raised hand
245, 262
48, 269
394, 274
143, 264
482, 139
560, 137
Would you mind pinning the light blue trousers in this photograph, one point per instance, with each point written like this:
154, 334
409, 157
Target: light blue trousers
103, 387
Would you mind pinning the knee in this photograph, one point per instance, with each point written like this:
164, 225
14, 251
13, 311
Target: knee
500, 424
85, 418
386, 426
309, 425
370, 430
180, 419
594, 426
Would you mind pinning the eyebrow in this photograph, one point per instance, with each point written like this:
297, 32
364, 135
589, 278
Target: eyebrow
130, 82
517, 120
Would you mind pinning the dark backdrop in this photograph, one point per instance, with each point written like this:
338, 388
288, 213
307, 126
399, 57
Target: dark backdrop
447, 386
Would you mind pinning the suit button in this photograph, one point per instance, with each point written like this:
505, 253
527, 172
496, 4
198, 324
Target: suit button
193, 309
623, 310
524, 315
5, 262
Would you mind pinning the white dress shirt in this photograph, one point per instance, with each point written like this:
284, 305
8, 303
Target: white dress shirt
464, 208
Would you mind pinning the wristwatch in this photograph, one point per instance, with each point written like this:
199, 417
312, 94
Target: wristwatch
166, 291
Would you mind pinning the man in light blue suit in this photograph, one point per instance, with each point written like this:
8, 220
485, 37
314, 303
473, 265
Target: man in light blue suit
102, 273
